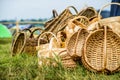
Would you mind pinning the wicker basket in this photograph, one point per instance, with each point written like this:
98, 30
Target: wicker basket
18, 41
48, 51
80, 21
112, 22
66, 60
102, 51
24, 43
54, 25
55, 14
76, 43
89, 12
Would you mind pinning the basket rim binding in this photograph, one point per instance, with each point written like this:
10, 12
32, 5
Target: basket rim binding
44, 34
90, 8
78, 33
15, 40
80, 23
39, 29
16, 35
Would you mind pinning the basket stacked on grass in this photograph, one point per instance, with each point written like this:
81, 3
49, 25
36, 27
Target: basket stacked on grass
102, 51
24, 43
102, 46
98, 45
50, 52
76, 43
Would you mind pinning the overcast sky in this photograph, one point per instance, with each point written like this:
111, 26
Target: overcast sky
27, 9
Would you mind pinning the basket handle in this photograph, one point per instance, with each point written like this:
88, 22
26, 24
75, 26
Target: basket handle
105, 7
44, 34
55, 14
40, 29
63, 27
74, 20
27, 29
72, 8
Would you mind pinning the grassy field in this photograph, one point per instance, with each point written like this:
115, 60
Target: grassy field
25, 67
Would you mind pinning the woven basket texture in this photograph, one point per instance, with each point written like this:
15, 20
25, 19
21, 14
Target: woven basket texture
102, 51
24, 43
54, 26
88, 12
18, 42
66, 60
49, 50
76, 43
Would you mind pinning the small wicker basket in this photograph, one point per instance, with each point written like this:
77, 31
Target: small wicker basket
24, 43
88, 12
48, 51
76, 43
19, 40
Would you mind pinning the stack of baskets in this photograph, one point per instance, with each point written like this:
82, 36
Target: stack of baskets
98, 47
96, 42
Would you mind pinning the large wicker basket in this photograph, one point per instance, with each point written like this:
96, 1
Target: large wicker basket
76, 43
24, 43
102, 51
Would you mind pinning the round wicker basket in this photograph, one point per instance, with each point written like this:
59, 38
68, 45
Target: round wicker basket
23, 43
102, 51
76, 43
18, 43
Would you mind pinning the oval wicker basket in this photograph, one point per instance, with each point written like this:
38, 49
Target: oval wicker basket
24, 43
19, 40
102, 51
76, 43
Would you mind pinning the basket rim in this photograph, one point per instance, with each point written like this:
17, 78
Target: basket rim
75, 33
15, 40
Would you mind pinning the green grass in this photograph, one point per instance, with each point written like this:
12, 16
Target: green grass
25, 67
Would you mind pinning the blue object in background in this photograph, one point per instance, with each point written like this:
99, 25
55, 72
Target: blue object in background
115, 9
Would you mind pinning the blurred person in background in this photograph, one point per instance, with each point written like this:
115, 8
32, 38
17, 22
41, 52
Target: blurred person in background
115, 9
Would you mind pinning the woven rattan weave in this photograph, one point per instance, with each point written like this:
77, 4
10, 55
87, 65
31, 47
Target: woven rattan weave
102, 51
